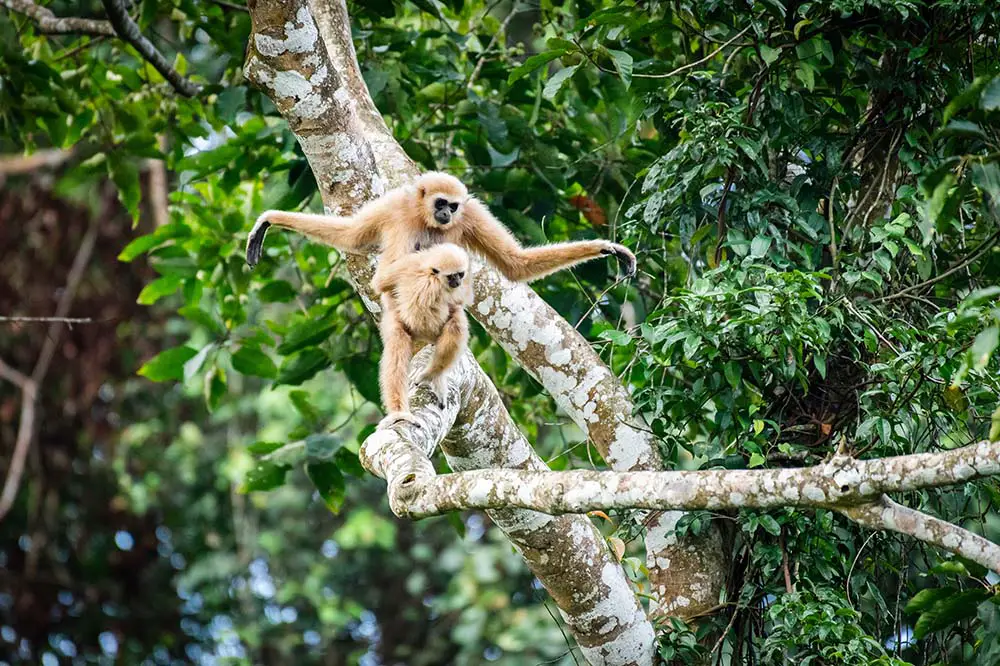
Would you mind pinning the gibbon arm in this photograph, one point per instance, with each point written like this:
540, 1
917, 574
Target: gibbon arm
486, 235
453, 339
388, 274
344, 233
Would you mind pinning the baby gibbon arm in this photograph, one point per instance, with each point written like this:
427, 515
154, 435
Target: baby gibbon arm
453, 339
344, 233
389, 273
486, 235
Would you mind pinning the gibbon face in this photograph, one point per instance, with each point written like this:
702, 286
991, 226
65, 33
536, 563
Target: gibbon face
442, 198
448, 263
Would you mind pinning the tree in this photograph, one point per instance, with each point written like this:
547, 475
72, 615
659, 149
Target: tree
816, 204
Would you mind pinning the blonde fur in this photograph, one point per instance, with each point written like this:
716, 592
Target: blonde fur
413, 217
403, 220
423, 295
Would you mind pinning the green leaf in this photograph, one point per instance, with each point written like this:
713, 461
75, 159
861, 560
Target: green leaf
533, 63
322, 446
363, 373
968, 96
167, 364
623, 63
983, 346
759, 246
768, 54
990, 99
277, 291
924, 599
252, 361
770, 525
214, 388
329, 482
556, 81
300, 399
264, 476
125, 176
159, 288
308, 334
618, 338
734, 373
947, 612
193, 365
758, 426
819, 360
138, 246
756, 460
304, 365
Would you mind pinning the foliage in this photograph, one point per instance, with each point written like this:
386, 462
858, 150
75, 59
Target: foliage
812, 190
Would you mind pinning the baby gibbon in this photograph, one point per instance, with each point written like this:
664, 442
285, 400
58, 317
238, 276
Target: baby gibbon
423, 295
435, 208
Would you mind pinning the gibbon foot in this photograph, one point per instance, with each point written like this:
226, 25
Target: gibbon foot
395, 418
626, 260
255, 241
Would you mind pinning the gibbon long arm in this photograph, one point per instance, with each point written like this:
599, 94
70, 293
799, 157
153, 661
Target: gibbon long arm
363, 228
487, 236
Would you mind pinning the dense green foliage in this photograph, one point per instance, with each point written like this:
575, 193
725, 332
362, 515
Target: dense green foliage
812, 191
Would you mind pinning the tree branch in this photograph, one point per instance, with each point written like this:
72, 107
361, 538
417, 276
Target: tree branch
852, 487
128, 30
50, 23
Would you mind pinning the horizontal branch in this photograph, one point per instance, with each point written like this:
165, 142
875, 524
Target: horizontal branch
48, 320
839, 483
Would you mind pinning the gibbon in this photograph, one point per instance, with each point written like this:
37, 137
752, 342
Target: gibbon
435, 208
423, 296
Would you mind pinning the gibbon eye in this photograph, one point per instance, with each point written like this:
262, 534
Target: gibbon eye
460, 275
440, 203
453, 207
435, 271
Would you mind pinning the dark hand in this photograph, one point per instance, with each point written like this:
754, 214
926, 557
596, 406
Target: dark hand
626, 260
255, 241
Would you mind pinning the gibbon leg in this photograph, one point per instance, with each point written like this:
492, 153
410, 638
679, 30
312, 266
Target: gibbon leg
343, 233
397, 350
453, 339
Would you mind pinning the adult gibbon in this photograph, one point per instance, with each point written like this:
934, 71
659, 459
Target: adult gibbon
435, 208
423, 295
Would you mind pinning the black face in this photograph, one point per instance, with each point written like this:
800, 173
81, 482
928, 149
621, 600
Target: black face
443, 210
455, 279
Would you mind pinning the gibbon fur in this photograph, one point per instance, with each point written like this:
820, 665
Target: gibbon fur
435, 208
423, 296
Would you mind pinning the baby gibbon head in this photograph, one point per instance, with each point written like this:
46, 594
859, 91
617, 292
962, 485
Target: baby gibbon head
441, 197
446, 262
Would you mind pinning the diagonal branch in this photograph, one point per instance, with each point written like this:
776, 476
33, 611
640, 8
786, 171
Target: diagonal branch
120, 25
128, 30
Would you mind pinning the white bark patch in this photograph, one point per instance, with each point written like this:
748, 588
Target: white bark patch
297, 39
629, 448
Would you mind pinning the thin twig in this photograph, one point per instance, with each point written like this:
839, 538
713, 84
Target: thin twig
128, 30
695, 63
61, 320
29, 385
986, 245
50, 23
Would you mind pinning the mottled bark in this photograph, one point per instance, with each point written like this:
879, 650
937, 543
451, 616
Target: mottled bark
853, 487
322, 96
